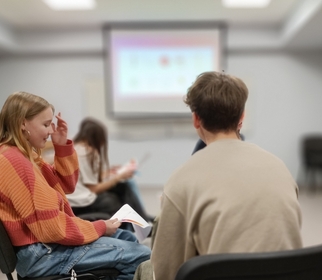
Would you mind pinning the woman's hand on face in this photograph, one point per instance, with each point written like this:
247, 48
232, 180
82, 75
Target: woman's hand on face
111, 226
59, 135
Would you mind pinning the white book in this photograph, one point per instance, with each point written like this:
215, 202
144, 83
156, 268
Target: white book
126, 214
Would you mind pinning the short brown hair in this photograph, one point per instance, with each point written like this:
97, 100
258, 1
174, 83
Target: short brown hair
218, 99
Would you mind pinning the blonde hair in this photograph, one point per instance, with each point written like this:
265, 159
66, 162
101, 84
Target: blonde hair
20, 106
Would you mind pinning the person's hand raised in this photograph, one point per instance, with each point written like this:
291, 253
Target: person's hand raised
59, 135
111, 226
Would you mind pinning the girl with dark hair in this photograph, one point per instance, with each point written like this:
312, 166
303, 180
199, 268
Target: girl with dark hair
101, 188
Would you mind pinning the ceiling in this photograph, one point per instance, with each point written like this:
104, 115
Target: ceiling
36, 14
299, 20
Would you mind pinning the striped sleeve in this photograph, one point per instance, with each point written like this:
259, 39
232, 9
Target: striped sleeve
39, 209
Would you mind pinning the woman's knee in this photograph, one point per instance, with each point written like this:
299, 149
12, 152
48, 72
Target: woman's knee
125, 235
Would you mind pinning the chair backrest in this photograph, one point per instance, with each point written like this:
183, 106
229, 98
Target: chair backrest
312, 150
300, 264
8, 259
94, 216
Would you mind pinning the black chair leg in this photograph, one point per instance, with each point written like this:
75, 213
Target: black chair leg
9, 276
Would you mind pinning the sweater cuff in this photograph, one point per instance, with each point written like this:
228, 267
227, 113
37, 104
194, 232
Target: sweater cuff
64, 150
100, 227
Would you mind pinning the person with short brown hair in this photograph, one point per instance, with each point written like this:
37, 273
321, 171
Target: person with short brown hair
231, 196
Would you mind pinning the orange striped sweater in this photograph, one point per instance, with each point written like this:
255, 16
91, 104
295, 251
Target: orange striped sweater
33, 205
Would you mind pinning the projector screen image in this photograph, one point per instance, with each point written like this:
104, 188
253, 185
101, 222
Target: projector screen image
151, 70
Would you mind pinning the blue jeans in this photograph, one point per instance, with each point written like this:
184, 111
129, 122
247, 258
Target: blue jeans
121, 251
135, 190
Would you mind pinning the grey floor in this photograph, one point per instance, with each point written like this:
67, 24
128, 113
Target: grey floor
311, 204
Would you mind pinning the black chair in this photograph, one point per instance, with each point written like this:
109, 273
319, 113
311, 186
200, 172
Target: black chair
300, 264
8, 261
312, 160
94, 216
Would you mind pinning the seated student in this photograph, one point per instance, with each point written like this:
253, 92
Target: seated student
99, 187
35, 212
231, 196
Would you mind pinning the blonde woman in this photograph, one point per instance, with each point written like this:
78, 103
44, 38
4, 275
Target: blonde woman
48, 238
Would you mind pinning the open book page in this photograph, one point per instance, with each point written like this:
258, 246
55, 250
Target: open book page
126, 214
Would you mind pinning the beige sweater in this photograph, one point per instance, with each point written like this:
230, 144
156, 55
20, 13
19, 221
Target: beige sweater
232, 196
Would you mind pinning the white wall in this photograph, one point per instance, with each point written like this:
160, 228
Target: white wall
285, 89
59, 79
284, 104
